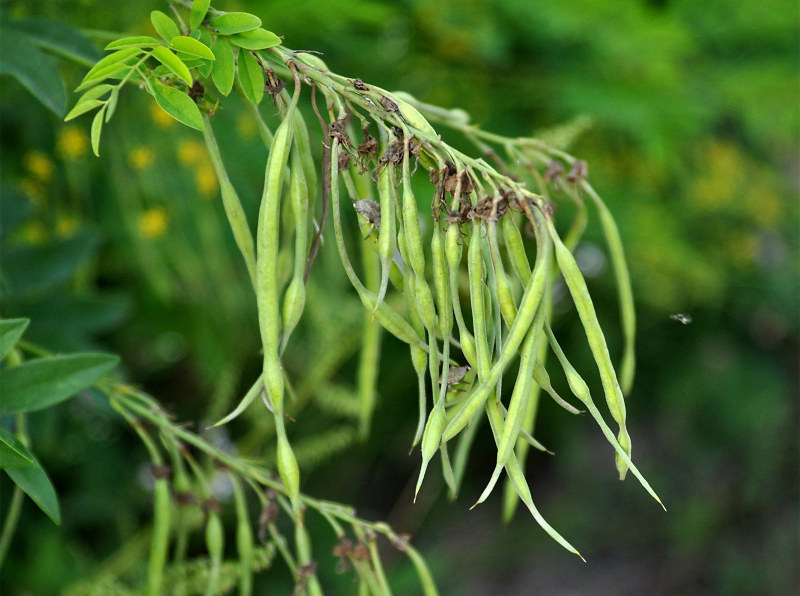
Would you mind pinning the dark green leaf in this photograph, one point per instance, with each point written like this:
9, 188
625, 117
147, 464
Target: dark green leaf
199, 10
82, 107
235, 22
178, 105
251, 77
171, 61
34, 268
10, 332
20, 58
192, 47
257, 39
164, 25
97, 128
34, 482
60, 38
44, 382
140, 41
222, 72
13, 453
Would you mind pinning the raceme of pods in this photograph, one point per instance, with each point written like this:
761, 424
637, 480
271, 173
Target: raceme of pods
467, 335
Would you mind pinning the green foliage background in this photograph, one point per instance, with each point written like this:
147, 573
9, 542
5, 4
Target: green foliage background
694, 145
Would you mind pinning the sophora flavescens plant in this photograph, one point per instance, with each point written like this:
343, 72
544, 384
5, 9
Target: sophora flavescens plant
463, 276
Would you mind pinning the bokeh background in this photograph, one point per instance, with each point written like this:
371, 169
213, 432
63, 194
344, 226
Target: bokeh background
693, 143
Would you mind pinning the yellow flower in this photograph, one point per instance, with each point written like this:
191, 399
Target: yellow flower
66, 226
245, 126
160, 117
72, 143
153, 223
34, 232
191, 152
39, 164
141, 157
34, 189
206, 180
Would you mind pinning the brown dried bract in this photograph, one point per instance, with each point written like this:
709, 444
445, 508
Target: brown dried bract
197, 91
343, 160
462, 215
578, 171
555, 169
361, 552
273, 84
211, 504
388, 105
161, 471
359, 84
367, 149
337, 130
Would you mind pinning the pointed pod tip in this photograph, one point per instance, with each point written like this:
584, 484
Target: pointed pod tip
581, 556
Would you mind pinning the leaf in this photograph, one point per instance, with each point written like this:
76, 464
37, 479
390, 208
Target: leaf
171, 61
97, 128
198, 14
44, 382
10, 332
178, 105
112, 103
251, 77
164, 25
103, 66
139, 41
82, 107
20, 58
257, 39
60, 38
96, 92
13, 453
223, 70
192, 47
235, 22
205, 67
34, 482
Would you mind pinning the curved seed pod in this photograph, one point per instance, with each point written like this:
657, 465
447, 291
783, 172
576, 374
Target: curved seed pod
305, 560
410, 113
267, 259
581, 390
287, 468
431, 439
519, 401
627, 310
244, 538
597, 342
534, 293
215, 544
543, 380
441, 285
295, 296
516, 249
303, 146
230, 201
475, 269
387, 233
453, 250
369, 356
518, 480
424, 574
162, 513
415, 252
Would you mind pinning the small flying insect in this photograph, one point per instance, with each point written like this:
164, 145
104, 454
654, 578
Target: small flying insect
455, 375
681, 318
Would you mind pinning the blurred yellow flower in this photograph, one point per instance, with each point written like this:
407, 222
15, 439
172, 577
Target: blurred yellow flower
191, 152
72, 143
34, 232
160, 117
33, 189
141, 157
39, 164
153, 223
66, 226
206, 180
245, 126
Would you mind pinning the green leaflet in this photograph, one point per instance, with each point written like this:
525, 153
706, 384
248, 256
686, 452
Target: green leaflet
192, 47
82, 107
138, 41
224, 66
34, 482
44, 382
173, 63
251, 77
198, 14
235, 22
97, 128
13, 454
10, 332
164, 25
257, 39
178, 105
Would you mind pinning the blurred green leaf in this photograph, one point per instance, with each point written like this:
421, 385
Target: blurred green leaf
44, 382
178, 105
251, 77
13, 454
223, 69
20, 58
257, 39
10, 332
60, 38
34, 268
14, 209
34, 482
235, 22
198, 14
164, 25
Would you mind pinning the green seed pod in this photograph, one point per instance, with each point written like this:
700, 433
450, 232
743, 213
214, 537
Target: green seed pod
425, 307
475, 268
415, 252
215, 544
293, 302
441, 285
516, 249
303, 146
162, 513
542, 379
288, 470
387, 234
244, 538
405, 103
431, 439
